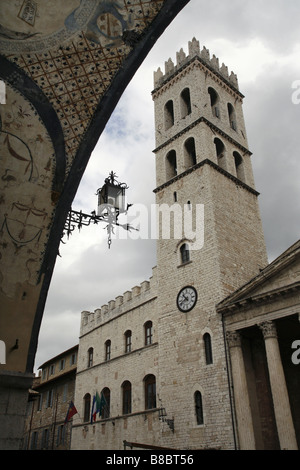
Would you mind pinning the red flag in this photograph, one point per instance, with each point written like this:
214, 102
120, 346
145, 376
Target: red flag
71, 412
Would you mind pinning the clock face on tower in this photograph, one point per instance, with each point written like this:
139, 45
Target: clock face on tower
186, 298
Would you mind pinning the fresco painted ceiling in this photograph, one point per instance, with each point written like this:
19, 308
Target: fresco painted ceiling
72, 51
64, 66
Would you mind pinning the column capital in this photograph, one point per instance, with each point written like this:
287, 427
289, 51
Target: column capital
268, 329
233, 339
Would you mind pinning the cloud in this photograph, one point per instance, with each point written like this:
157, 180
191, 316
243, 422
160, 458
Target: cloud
259, 41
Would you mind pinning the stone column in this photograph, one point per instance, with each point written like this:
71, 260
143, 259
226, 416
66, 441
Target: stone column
241, 396
283, 416
14, 387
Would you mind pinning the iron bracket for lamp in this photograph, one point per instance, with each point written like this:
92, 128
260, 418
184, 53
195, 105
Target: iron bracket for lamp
111, 203
163, 417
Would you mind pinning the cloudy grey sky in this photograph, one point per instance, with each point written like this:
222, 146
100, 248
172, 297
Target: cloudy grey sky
258, 40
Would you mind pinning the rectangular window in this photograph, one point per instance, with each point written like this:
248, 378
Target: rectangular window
34, 440
45, 439
60, 435
40, 402
73, 359
49, 398
107, 350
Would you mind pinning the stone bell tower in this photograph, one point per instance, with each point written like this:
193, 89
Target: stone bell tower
210, 239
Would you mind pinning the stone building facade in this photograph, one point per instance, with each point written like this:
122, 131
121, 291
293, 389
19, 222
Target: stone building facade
158, 353
48, 404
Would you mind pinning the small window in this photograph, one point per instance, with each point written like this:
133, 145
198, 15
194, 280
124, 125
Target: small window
126, 397
52, 369
34, 440
45, 439
198, 408
40, 402
49, 398
171, 165
208, 348
128, 336
148, 332
239, 166
62, 364
87, 407
214, 102
185, 103
150, 392
73, 359
220, 152
169, 114
90, 357
107, 350
232, 116
184, 253
190, 152
60, 435
105, 413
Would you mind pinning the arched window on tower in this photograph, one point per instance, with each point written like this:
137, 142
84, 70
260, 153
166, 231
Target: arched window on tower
208, 348
171, 165
214, 102
220, 152
87, 407
126, 397
198, 408
190, 152
185, 103
239, 166
169, 115
184, 253
232, 116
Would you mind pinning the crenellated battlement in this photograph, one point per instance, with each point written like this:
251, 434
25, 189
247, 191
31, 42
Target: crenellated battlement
203, 56
130, 299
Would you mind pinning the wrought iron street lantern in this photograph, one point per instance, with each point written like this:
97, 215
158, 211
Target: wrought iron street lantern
162, 415
113, 195
111, 203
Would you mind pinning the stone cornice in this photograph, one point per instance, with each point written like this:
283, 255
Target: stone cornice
212, 127
213, 165
258, 299
244, 292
